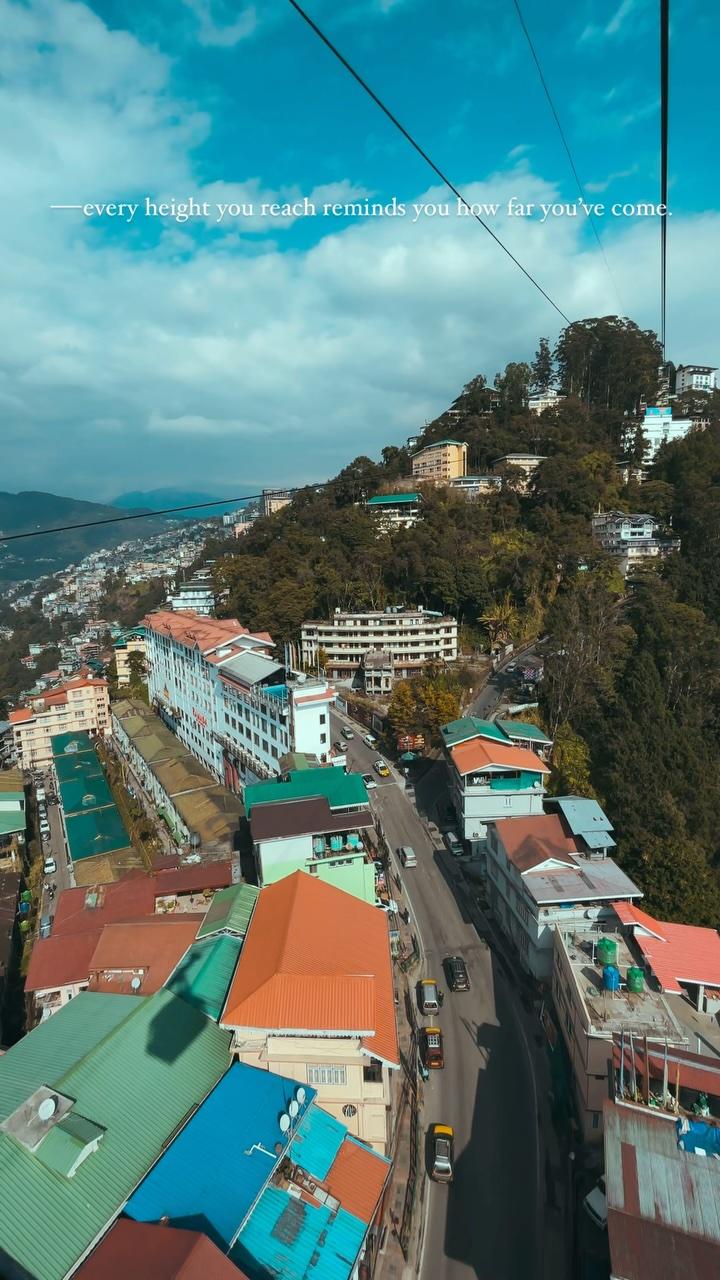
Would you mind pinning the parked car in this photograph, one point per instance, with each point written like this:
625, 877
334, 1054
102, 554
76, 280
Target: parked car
340, 746
381, 769
442, 1142
347, 734
432, 1048
49, 867
407, 856
45, 926
369, 781
453, 844
595, 1205
369, 740
429, 998
457, 974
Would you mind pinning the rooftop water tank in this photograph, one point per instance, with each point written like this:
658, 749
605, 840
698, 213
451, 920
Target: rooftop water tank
611, 978
336, 843
635, 980
606, 951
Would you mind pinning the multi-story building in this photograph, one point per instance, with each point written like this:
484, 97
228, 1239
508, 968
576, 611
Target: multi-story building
521, 466
314, 820
547, 872
694, 377
237, 709
440, 461
411, 637
659, 427
472, 487
392, 511
378, 673
313, 998
632, 537
490, 777
197, 595
547, 399
274, 500
13, 818
83, 703
132, 641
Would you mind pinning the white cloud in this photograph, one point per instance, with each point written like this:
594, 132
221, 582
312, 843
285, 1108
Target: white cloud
602, 184
123, 367
219, 23
618, 23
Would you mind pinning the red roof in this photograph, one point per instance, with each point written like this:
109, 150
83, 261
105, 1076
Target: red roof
482, 753
529, 842
198, 631
357, 1178
60, 960
150, 1251
154, 946
316, 959
676, 953
206, 875
93, 908
17, 717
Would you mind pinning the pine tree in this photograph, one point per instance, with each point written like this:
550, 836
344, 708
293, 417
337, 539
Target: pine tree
542, 367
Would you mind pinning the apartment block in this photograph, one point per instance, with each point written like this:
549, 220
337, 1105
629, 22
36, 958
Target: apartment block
408, 637
491, 777
694, 377
392, 511
234, 706
196, 595
440, 461
542, 400
80, 704
274, 500
473, 487
659, 428
632, 537
132, 641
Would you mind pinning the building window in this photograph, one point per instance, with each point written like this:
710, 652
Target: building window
349, 1111
323, 718
372, 1072
327, 1075
595, 1119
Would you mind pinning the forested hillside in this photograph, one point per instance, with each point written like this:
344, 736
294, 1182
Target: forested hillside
632, 688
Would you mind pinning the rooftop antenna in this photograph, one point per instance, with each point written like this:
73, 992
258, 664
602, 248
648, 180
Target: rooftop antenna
47, 1109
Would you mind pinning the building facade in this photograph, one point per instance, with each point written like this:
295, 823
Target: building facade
520, 466
441, 461
13, 818
659, 427
632, 537
411, 638
490, 778
274, 500
236, 709
473, 487
132, 641
694, 377
542, 400
196, 595
391, 511
81, 704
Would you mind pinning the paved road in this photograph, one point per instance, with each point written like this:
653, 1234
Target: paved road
502, 683
487, 1224
54, 847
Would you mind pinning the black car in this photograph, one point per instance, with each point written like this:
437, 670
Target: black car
457, 974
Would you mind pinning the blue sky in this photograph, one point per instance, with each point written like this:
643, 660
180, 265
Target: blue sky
271, 350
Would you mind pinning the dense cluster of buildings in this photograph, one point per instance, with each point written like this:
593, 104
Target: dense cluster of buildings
81, 704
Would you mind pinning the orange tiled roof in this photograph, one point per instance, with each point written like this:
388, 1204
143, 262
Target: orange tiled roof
19, 717
528, 842
480, 753
316, 959
357, 1178
195, 629
676, 953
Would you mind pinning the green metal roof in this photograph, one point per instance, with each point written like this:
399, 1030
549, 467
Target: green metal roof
230, 911
137, 1083
96, 831
54, 1046
83, 765
435, 444
80, 794
470, 727
521, 729
386, 499
205, 972
12, 820
70, 743
342, 790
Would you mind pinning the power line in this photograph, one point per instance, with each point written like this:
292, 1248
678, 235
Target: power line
561, 131
664, 95
149, 515
416, 145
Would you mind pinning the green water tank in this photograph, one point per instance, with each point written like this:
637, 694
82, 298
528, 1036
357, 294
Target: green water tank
606, 951
635, 980
24, 926
26, 896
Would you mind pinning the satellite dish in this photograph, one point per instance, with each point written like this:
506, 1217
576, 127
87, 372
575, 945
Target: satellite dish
293, 1109
136, 984
284, 1122
47, 1109
300, 1094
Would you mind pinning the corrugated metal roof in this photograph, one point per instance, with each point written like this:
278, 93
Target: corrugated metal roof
251, 668
480, 753
390, 499
85, 766
94, 832
342, 790
283, 1238
205, 972
357, 1178
468, 727
582, 814
522, 729
220, 1162
54, 1045
317, 1142
304, 817
79, 794
230, 911
676, 953
63, 744
152, 1251
139, 1083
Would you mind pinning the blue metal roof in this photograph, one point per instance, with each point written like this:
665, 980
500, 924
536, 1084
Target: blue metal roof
283, 1238
213, 1172
582, 815
317, 1141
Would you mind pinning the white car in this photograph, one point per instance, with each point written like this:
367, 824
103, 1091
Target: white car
340, 746
369, 781
49, 867
369, 740
347, 734
595, 1205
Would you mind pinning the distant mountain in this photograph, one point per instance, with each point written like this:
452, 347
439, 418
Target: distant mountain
161, 499
36, 557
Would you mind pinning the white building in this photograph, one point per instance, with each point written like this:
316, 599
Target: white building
694, 377
392, 511
409, 637
659, 428
235, 707
552, 871
274, 500
196, 595
632, 537
81, 704
541, 400
491, 777
472, 487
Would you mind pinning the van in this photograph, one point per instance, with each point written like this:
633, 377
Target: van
433, 1054
452, 844
428, 996
45, 926
40, 795
407, 856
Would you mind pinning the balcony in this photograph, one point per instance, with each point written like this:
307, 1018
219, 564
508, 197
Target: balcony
340, 844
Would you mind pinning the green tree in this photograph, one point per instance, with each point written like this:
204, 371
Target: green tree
403, 711
542, 367
571, 765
